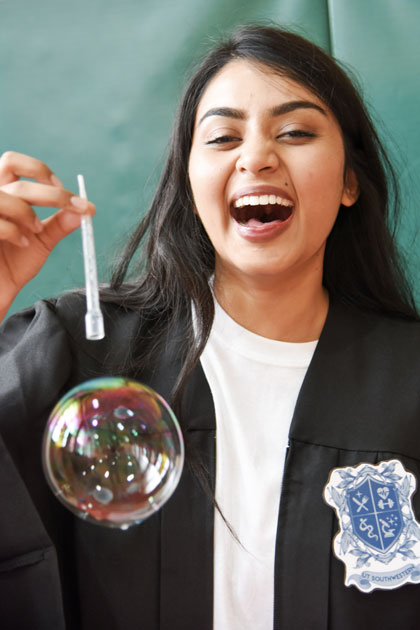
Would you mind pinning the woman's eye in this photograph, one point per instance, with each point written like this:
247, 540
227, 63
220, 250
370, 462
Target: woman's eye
223, 140
297, 133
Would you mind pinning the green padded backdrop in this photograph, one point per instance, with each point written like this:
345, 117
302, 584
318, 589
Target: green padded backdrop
91, 86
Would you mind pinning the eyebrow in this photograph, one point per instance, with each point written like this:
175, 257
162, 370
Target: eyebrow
278, 110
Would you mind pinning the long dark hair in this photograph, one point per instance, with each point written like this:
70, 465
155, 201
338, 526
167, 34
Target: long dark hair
177, 259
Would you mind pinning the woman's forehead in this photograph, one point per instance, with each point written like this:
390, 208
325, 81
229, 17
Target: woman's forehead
240, 82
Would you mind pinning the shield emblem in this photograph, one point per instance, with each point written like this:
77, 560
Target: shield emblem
375, 514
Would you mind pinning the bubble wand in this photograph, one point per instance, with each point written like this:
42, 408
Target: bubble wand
94, 323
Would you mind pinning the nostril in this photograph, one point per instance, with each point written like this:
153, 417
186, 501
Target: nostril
257, 161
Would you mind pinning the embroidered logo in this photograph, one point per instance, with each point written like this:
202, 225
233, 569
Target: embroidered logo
379, 537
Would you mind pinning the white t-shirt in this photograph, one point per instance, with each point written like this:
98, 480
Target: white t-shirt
255, 383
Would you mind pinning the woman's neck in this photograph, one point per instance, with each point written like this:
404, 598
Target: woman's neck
284, 311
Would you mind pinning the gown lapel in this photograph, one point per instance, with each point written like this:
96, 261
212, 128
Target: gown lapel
186, 561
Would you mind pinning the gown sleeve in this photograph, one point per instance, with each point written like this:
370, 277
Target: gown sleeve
35, 363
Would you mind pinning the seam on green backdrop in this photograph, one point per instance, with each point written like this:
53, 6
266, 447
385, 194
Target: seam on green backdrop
329, 13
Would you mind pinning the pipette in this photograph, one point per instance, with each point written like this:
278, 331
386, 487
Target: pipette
94, 323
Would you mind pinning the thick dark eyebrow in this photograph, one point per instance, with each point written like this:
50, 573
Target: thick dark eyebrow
291, 106
278, 110
227, 112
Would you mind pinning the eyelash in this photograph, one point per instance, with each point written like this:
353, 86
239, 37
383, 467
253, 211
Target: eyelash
297, 133
223, 140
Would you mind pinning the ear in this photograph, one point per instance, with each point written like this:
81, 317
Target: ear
351, 188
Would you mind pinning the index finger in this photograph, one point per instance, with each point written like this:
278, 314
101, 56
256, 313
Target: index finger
14, 165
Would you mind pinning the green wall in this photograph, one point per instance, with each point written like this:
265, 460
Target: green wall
91, 86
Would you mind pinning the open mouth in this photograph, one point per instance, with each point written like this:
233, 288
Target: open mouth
261, 208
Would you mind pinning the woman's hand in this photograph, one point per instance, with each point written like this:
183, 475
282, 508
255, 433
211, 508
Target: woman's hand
25, 241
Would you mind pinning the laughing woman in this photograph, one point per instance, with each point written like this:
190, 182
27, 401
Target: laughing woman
269, 306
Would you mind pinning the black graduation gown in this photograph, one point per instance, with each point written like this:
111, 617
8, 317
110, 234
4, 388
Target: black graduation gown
360, 402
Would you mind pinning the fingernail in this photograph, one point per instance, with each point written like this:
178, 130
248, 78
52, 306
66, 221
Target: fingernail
55, 181
80, 203
24, 241
38, 225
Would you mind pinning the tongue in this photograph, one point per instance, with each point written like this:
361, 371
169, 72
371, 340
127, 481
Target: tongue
256, 223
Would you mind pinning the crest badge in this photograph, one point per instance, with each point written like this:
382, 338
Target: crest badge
378, 538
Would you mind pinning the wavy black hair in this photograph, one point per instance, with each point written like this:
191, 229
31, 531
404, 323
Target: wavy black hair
174, 264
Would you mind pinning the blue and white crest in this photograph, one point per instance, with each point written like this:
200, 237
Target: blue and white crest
375, 513
379, 537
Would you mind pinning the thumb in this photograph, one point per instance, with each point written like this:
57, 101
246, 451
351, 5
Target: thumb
58, 226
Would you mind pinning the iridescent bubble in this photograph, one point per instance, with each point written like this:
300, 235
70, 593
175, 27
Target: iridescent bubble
113, 451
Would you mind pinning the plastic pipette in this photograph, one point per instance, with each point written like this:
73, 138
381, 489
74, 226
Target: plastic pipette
94, 323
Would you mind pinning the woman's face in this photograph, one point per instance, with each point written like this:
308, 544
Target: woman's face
267, 173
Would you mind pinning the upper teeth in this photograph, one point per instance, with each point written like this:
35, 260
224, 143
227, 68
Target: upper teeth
261, 200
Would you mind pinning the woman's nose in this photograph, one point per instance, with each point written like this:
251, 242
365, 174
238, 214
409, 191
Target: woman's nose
257, 156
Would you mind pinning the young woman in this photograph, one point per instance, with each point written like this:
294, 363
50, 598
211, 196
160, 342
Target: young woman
268, 305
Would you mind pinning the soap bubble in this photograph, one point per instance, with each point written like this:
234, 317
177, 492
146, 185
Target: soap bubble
113, 451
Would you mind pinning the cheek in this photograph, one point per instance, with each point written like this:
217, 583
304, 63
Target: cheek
208, 164
321, 184
206, 195
202, 172
208, 183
